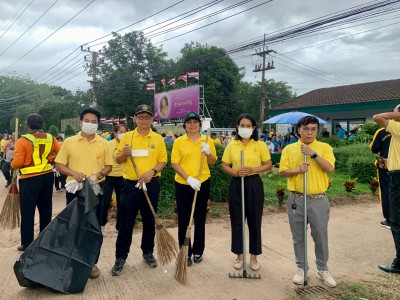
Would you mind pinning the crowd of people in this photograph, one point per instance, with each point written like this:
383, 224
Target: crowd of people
133, 160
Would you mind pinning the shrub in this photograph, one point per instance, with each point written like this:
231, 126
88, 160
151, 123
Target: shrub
53, 130
370, 128
219, 180
362, 166
334, 141
343, 154
69, 131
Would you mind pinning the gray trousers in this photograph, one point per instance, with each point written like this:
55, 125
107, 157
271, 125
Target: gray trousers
318, 217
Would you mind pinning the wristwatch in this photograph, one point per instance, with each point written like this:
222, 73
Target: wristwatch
314, 155
155, 172
101, 175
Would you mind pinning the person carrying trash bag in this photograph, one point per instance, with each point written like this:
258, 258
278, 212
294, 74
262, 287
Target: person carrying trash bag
33, 155
88, 156
256, 160
149, 154
185, 160
320, 161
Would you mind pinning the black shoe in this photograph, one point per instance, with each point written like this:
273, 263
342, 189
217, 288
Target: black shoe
58, 190
150, 260
119, 264
8, 184
189, 261
198, 259
385, 224
22, 248
389, 269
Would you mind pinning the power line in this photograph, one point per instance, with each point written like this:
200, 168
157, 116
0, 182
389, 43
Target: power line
16, 19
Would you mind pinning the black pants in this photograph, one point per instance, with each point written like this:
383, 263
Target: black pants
184, 199
133, 199
111, 183
60, 179
254, 200
394, 201
35, 192
6, 169
383, 179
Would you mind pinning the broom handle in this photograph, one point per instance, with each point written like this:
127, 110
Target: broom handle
16, 139
305, 223
141, 184
195, 192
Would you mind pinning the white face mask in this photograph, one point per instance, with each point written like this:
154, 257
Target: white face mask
245, 132
120, 135
89, 128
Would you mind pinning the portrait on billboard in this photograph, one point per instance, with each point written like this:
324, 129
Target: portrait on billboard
164, 105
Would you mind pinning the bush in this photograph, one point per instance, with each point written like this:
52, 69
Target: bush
69, 131
343, 155
334, 141
362, 167
53, 130
219, 180
370, 128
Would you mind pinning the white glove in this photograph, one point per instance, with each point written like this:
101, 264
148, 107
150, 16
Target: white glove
73, 186
194, 183
56, 172
97, 189
92, 179
139, 186
205, 148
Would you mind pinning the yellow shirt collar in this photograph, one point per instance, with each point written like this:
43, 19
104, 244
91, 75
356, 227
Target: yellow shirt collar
202, 137
95, 139
150, 134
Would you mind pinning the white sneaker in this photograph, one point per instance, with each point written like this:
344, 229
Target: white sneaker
103, 230
326, 278
298, 278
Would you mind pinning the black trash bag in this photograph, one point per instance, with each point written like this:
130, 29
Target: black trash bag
62, 256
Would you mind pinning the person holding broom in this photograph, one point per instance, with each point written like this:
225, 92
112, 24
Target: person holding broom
86, 155
256, 160
33, 155
150, 156
185, 160
320, 161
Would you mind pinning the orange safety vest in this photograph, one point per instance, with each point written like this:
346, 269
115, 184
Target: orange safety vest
40, 164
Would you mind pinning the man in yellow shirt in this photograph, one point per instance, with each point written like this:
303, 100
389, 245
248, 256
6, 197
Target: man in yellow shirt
150, 156
3, 143
216, 141
391, 121
87, 156
320, 161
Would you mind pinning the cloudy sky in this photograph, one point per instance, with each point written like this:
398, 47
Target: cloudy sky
362, 51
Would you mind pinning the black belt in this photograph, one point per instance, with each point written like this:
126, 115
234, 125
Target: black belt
394, 172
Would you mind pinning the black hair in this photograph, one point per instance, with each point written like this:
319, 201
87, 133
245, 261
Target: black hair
254, 135
213, 133
269, 139
90, 110
59, 138
233, 133
35, 121
163, 135
308, 120
338, 125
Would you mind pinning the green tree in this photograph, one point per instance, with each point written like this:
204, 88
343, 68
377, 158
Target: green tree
69, 131
53, 130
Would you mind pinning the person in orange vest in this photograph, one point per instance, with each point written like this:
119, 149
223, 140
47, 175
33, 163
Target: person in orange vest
33, 155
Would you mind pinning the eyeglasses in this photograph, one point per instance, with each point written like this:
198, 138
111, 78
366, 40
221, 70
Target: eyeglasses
144, 118
308, 129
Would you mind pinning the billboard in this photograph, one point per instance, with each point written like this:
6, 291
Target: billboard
176, 103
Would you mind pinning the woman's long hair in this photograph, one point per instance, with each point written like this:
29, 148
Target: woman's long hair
254, 135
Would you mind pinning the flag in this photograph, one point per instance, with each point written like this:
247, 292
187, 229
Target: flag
109, 122
151, 86
102, 120
123, 120
163, 82
172, 81
183, 78
116, 121
132, 118
194, 75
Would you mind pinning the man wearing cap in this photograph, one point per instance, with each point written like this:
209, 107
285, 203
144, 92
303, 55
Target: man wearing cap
169, 137
86, 155
150, 156
33, 155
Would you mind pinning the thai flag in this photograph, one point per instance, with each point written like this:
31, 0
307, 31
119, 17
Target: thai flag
163, 82
116, 121
132, 118
172, 81
102, 120
151, 86
183, 78
109, 122
123, 120
194, 75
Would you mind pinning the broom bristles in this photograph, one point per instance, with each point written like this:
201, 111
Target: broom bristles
10, 214
181, 265
167, 248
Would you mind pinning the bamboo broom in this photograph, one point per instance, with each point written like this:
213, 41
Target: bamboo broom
181, 261
167, 248
10, 214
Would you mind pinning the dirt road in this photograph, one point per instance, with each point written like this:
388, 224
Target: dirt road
357, 245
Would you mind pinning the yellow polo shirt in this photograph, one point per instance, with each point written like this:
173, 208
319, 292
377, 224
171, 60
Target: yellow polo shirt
153, 142
254, 154
86, 157
317, 179
2, 144
217, 142
394, 150
187, 154
117, 169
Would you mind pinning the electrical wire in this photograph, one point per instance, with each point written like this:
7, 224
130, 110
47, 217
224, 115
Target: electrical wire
16, 19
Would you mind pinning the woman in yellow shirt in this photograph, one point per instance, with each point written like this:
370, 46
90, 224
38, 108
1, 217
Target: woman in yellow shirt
185, 160
256, 160
114, 180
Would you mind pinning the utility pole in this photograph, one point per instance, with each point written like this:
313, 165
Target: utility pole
263, 68
93, 66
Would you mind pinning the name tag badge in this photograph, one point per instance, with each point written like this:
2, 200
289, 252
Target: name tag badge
140, 153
